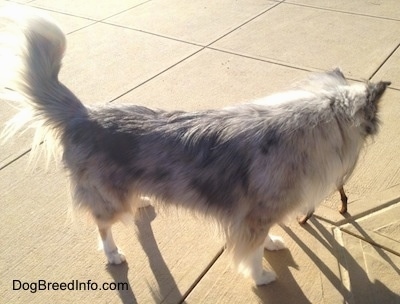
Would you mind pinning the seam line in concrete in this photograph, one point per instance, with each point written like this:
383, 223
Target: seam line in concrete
369, 241
30, 4
156, 75
15, 159
245, 22
125, 10
202, 274
151, 33
350, 218
190, 42
56, 11
344, 12
384, 61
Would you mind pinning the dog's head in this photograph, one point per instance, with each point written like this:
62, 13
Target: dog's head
358, 101
366, 100
355, 102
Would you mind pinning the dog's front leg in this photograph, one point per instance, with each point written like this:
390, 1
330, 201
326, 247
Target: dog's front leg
252, 266
114, 256
251, 261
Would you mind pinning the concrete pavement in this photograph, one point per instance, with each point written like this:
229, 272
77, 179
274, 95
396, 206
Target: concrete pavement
188, 55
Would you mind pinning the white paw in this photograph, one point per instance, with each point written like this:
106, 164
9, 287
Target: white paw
273, 242
144, 202
115, 257
265, 278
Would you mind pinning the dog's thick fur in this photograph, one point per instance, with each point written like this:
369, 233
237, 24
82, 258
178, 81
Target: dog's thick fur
247, 166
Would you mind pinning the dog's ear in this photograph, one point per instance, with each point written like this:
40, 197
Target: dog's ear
338, 72
370, 120
376, 90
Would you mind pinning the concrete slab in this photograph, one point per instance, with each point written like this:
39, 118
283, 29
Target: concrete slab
67, 23
380, 228
17, 145
379, 8
370, 272
213, 79
359, 206
307, 271
92, 9
316, 39
41, 243
7, 2
194, 21
105, 61
17, 1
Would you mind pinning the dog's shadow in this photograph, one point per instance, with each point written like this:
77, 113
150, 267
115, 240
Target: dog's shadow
165, 281
361, 286
119, 274
288, 290
167, 286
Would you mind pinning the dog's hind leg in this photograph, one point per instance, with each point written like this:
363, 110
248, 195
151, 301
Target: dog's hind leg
343, 198
343, 208
114, 256
303, 219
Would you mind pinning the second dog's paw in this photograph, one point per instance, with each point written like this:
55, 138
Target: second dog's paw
273, 242
115, 257
265, 278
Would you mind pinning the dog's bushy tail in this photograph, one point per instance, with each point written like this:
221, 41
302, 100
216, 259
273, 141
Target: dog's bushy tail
31, 51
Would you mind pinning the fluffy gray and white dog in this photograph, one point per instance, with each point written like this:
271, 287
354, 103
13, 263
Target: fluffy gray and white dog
246, 166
